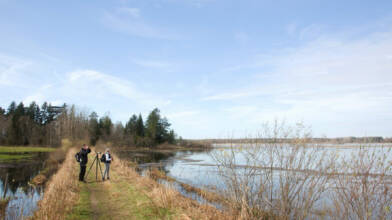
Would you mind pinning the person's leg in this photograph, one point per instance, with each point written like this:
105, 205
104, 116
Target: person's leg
82, 172
104, 173
108, 168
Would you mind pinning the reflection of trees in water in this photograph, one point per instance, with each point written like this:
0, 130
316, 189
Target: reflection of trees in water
20, 173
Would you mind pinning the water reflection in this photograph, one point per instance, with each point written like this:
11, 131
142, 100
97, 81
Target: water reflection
17, 175
199, 169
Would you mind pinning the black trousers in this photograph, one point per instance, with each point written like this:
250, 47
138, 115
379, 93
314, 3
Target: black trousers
82, 172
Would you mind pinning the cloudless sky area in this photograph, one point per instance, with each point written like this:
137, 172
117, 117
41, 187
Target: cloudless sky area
215, 68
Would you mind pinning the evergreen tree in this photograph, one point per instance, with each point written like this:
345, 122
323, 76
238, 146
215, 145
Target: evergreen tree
44, 116
94, 131
11, 108
2, 111
33, 112
140, 126
130, 127
105, 125
157, 128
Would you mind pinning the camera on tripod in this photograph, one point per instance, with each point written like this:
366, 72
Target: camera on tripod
97, 165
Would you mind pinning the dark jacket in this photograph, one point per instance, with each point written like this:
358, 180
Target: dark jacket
105, 160
84, 156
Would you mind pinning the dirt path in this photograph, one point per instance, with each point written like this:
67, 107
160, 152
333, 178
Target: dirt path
99, 195
116, 199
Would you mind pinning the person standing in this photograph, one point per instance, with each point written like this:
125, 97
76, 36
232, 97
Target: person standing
83, 161
107, 159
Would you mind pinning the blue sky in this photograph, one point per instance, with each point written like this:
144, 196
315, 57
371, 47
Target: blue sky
215, 68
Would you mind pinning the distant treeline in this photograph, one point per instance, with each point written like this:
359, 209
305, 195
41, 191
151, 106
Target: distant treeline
340, 140
48, 125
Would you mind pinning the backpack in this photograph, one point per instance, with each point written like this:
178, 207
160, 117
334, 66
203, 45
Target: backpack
103, 159
78, 157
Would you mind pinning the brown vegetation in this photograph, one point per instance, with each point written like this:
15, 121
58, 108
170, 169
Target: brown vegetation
206, 194
293, 180
163, 196
61, 191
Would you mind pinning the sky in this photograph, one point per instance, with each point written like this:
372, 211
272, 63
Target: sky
215, 68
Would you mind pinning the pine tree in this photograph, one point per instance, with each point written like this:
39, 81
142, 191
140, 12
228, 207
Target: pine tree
157, 128
105, 125
94, 131
11, 108
140, 126
130, 127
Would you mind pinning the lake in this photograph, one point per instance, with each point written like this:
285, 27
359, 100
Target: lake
199, 169
19, 172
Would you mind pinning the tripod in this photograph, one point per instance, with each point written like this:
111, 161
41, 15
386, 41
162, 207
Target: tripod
97, 164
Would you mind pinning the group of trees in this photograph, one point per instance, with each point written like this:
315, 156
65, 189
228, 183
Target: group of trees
48, 125
136, 132
20, 125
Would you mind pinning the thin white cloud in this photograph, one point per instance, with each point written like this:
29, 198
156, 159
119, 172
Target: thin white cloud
326, 81
159, 64
10, 70
133, 12
104, 86
131, 23
182, 115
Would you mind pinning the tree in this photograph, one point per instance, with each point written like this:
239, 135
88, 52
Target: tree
16, 128
140, 126
94, 131
157, 128
44, 113
130, 127
171, 138
105, 125
11, 108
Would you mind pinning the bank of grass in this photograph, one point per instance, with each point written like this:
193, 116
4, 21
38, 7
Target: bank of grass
20, 149
61, 192
17, 153
14, 157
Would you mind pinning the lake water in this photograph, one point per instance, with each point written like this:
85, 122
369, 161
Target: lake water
23, 196
199, 169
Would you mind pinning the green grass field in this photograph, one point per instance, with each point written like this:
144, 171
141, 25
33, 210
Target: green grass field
16, 153
17, 149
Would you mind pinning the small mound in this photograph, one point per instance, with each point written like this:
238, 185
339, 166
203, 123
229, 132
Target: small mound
39, 179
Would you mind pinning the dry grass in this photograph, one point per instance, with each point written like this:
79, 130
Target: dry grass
3, 207
165, 197
61, 192
207, 195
